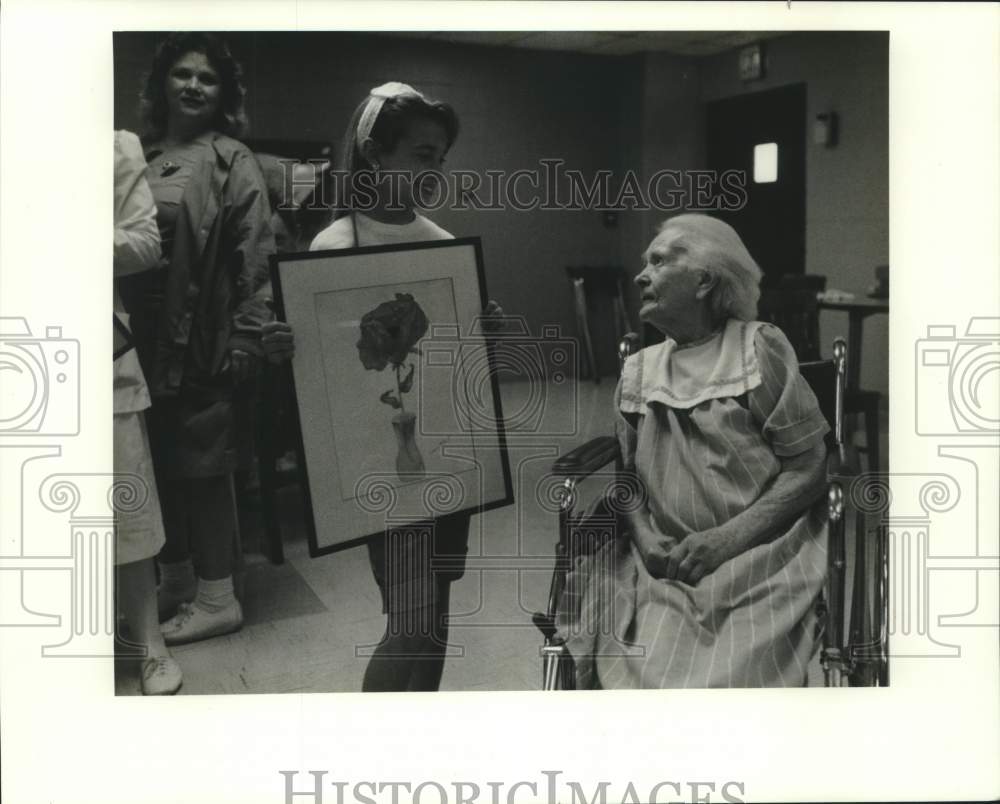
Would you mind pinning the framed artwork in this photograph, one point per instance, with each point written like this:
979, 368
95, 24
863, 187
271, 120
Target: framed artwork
398, 402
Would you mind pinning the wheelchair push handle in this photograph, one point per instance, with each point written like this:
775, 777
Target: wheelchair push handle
628, 345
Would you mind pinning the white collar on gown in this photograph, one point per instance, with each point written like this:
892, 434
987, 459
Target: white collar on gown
722, 365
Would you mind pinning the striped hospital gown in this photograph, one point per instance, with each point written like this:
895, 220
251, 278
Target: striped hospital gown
705, 427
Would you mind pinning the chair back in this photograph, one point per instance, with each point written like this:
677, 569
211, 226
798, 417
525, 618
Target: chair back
627, 346
814, 282
596, 288
791, 304
603, 280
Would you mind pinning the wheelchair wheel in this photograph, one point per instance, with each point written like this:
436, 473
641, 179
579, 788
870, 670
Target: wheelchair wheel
869, 621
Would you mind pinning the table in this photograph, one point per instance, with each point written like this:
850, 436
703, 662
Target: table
857, 309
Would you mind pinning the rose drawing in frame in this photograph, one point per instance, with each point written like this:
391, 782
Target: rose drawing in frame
389, 336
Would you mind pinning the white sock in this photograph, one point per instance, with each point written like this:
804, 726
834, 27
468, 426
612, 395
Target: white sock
215, 596
177, 576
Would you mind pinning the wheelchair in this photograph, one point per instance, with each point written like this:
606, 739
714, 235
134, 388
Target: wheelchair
854, 639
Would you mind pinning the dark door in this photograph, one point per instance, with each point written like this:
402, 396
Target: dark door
773, 221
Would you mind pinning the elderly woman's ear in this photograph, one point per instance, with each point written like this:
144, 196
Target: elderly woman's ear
706, 283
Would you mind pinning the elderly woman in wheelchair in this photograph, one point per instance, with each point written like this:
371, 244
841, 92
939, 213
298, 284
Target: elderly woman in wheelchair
714, 578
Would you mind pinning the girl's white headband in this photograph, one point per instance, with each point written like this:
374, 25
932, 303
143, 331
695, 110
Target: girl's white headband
376, 100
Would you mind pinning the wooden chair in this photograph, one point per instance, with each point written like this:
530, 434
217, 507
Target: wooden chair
795, 311
591, 286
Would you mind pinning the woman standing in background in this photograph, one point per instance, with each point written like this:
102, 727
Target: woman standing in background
198, 320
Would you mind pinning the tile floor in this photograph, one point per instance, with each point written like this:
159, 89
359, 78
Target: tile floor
310, 622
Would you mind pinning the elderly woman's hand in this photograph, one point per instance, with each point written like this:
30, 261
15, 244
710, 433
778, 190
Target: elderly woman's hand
700, 554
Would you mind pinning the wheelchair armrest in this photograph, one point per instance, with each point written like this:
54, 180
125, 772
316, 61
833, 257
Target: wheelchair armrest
587, 458
546, 623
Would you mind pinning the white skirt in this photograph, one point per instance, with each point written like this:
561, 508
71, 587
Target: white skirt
139, 527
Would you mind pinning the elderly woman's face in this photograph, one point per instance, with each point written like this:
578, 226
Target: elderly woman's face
668, 283
194, 90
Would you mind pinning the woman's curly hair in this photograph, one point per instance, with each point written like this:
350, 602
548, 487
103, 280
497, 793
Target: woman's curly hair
231, 119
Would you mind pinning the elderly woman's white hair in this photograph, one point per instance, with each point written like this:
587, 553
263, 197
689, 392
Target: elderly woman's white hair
714, 246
